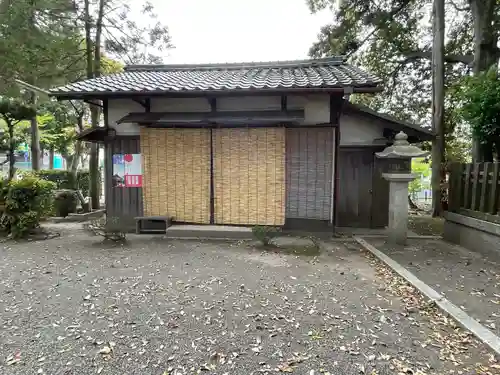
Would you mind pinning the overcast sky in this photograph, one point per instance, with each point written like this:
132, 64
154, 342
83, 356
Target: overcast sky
236, 30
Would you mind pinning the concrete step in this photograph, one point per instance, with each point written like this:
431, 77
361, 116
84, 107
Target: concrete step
219, 232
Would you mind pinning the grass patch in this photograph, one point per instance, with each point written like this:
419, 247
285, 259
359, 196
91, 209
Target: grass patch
426, 225
307, 246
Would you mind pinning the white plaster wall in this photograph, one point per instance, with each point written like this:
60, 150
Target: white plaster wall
359, 130
117, 109
248, 103
316, 107
180, 105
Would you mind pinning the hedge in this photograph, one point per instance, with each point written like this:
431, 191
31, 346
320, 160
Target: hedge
64, 179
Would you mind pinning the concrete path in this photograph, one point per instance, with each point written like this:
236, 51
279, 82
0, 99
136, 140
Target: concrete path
464, 284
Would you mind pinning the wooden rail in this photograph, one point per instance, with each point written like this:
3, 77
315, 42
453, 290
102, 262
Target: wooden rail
474, 190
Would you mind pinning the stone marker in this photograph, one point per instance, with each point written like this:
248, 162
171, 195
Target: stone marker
398, 187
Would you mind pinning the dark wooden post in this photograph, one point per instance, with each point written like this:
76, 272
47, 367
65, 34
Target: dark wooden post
475, 182
494, 191
484, 187
467, 187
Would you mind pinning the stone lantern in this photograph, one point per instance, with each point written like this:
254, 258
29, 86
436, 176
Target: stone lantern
398, 187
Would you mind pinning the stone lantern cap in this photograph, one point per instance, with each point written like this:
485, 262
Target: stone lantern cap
401, 148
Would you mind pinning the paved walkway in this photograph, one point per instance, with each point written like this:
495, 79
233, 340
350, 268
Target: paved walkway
469, 280
70, 305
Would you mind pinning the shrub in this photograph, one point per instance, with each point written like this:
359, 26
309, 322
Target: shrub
65, 180
4, 188
28, 200
65, 202
265, 234
109, 228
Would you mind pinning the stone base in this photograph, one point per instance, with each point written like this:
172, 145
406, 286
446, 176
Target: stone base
215, 232
474, 234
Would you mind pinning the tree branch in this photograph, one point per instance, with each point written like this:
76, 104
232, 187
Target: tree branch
451, 58
392, 13
457, 8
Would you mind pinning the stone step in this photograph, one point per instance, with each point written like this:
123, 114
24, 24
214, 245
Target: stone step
219, 232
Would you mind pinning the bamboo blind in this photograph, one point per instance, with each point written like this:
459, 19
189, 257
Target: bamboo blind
176, 180
249, 176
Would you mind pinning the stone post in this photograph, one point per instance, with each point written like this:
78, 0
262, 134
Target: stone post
398, 206
398, 188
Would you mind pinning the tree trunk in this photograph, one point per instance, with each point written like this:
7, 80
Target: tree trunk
12, 150
93, 55
485, 55
94, 163
78, 147
412, 204
438, 143
88, 39
51, 158
35, 136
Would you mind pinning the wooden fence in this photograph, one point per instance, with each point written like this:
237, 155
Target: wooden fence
474, 190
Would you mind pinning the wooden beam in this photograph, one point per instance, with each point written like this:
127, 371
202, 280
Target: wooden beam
145, 103
284, 102
91, 102
213, 104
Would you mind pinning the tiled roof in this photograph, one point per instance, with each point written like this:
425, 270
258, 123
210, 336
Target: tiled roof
329, 73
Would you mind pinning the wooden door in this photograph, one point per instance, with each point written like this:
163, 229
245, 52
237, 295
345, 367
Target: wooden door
354, 196
249, 176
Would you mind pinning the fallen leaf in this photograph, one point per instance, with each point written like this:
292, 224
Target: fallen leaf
105, 350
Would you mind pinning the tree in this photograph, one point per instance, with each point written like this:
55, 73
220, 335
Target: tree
479, 97
108, 20
393, 40
486, 21
58, 124
438, 143
13, 112
420, 167
37, 48
64, 40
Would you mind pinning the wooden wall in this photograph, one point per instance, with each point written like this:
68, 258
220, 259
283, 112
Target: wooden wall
363, 194
122, 203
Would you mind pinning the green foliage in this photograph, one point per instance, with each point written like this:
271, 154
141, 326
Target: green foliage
392, 39
421, 168
4, 189
28, 200
65, 202
480, 106
64, 179
58, 123
14, 110
39, 42
265, 234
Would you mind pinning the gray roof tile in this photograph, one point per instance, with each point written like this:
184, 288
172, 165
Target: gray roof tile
328, 73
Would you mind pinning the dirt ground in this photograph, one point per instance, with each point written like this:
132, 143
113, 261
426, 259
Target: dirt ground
70, 305
469, 280
425, 224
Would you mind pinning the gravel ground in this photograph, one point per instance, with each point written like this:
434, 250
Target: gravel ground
71, 306
469, 280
